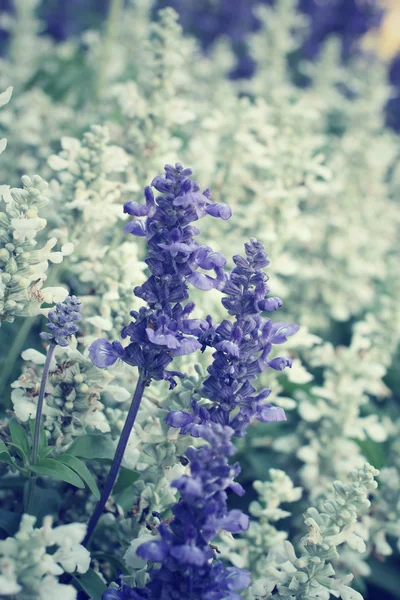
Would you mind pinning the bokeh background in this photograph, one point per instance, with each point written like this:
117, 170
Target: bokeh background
372, 25
366, 26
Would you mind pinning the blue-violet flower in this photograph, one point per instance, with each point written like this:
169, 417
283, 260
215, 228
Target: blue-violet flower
188, 568
163, 329
242, 349
62, 321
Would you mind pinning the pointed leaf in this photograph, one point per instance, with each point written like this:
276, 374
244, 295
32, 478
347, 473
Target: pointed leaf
125, 479
93, 447
91, 583
6, 458
81, 469
20, 439
52, 468
4, 454
43, 445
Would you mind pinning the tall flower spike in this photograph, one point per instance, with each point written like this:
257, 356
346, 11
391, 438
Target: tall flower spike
62, 321
163, 329
188, 568
242, 349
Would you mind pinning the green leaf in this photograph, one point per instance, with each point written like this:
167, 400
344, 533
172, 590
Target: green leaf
43, 445
52, 468
4, 454
373, 452
45, 452
6, 458
93, 447
125, 479
123, 488
81, 469
20, 439
9, 521
91, 583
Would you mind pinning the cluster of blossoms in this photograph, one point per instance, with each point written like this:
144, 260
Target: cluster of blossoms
32, 560
286, 576
188, 568
242, 349
74, 397
163, 329
62, 321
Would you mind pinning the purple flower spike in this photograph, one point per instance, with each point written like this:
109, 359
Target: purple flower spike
162, 329
189, 568
242, 349
62, 321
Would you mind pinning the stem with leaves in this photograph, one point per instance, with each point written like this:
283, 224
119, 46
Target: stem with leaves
116, 464
38, 422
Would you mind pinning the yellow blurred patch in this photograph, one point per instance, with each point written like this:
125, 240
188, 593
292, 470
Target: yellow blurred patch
386, 40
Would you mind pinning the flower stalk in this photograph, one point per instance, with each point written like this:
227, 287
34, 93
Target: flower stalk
116, 464
38, 422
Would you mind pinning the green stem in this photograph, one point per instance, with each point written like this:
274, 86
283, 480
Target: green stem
111, 29
38, 422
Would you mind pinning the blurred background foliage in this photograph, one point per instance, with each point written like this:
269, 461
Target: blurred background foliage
362, 26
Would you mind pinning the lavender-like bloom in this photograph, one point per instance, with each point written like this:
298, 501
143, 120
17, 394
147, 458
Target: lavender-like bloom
163, 329
188, 569
242, 351
62, 321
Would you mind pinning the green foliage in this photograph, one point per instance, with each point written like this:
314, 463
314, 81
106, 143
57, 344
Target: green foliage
93, 447
51, 467
92, 584
81, 469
